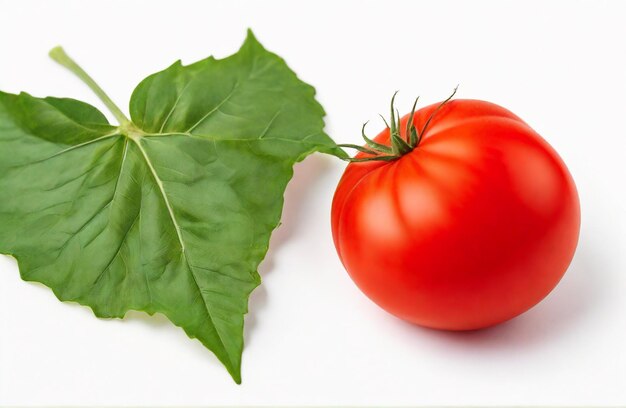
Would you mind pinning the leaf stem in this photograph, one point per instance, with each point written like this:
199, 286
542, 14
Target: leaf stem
58, 54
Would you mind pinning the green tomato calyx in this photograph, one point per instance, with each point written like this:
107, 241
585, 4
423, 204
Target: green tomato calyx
399, 145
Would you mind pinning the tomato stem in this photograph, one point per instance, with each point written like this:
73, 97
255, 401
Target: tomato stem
399, 146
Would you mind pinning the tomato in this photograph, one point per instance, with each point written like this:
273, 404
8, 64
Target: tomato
473, 226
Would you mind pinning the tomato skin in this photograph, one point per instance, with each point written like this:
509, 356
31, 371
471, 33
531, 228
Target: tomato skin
473, 227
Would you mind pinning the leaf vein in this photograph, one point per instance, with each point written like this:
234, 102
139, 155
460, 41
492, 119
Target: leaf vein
169, 114
184, 255
269, 125
215, 109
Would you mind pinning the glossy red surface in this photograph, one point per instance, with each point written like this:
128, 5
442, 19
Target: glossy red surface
473, 227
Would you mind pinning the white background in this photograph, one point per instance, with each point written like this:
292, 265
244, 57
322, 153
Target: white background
311, 337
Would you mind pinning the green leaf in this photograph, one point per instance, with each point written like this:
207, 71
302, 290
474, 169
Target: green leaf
169, 213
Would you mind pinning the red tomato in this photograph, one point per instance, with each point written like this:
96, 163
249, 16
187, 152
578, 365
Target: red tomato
472, 227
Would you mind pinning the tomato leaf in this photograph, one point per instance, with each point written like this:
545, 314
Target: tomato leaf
170, 212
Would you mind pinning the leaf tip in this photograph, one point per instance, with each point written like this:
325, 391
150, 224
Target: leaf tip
178, 64
250, 34
251, 39
235, 373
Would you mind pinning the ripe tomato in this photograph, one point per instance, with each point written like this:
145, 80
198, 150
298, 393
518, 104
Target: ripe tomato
472, 227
